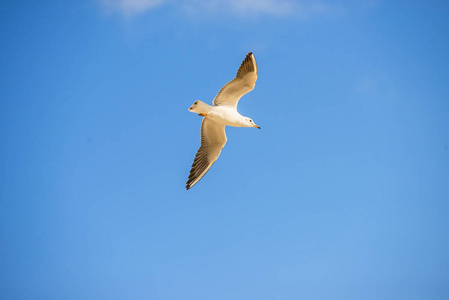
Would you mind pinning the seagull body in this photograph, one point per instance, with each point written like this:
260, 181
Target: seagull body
226, 115
222, 113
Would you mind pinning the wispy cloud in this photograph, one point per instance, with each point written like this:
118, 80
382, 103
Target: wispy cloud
131, 7
242, 8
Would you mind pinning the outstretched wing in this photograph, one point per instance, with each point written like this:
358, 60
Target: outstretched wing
244, 82
213, 139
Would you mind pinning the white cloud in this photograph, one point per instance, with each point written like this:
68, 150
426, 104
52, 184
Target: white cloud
131, 7
242, 8
245, 7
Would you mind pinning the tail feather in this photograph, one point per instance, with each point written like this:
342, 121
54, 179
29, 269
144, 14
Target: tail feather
199, 107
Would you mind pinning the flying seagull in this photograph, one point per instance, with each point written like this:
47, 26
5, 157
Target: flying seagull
223, 112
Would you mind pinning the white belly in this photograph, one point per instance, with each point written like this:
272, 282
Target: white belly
226, 115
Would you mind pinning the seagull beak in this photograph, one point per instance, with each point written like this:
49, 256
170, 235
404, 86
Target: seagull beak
256, 126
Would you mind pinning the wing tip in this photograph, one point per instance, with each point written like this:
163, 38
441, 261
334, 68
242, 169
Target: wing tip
250, 55
189, 184
248, 65
193, 180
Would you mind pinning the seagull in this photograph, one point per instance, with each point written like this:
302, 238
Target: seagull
223, 112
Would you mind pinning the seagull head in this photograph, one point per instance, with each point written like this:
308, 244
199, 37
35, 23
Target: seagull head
250, 123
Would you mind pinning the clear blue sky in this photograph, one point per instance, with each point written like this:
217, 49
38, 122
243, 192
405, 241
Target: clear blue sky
343, 194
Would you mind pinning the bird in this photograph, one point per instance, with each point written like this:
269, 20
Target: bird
222, 113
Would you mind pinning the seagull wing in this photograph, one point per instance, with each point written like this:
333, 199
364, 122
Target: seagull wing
213, 139
244, 82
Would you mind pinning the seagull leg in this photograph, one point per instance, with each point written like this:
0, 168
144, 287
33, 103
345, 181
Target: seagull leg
202, 114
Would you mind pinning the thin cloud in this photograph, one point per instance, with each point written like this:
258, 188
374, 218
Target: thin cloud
131, 7
241, 8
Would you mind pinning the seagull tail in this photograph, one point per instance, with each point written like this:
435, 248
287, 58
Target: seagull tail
199, 107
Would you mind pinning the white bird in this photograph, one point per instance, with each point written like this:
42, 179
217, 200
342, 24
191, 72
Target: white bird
223, 112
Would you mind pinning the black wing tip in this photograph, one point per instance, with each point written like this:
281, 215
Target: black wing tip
189, 184
247, 65
192, 178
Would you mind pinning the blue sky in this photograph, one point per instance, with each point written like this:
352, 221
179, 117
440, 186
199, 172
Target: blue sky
343, 194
